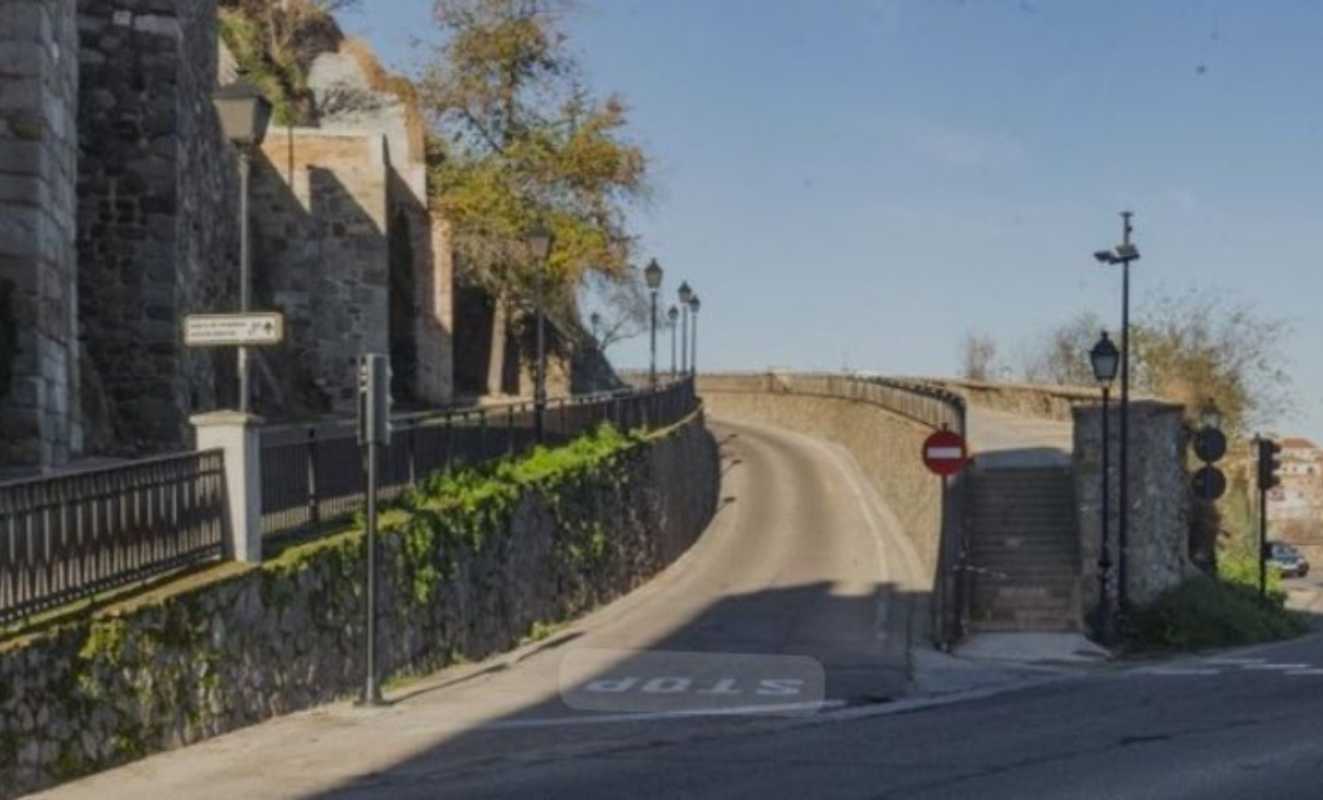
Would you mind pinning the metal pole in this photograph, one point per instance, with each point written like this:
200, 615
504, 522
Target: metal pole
652, 364
1122, 538
693, 344
672, 350
1104, 558
540, 387
684, 338
244, 269
372, 689
1263, 527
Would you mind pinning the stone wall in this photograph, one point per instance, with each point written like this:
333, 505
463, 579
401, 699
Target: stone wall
39, 421
157, 217
1160, 499
887, 447
244, 644
320, 254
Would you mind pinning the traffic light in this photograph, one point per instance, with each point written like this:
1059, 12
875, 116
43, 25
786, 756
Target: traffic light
374, 399
1270, 463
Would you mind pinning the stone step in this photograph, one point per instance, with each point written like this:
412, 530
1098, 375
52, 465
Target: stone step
1025, 622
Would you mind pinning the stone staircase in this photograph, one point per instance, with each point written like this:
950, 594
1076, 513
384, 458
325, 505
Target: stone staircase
1023, 549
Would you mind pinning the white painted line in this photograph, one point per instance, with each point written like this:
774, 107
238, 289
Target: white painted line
1276, 666
1233, 662
944, 452
654, 716
1177, 671
1311, 671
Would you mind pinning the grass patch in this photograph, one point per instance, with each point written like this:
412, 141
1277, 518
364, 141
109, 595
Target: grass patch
1206, 612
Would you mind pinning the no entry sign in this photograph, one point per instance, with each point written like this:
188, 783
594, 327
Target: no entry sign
944, 453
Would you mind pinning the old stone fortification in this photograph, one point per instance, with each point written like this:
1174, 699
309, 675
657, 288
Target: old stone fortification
1160, 498
886, 445
1030, 400
246, 644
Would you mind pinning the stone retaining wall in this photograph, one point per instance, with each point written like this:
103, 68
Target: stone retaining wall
245, 644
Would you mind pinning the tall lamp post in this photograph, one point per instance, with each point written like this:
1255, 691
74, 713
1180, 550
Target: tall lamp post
685, 294
244, 114
596, 320
653, 275
1123, 254
539, 247
693, 338
673, 315
1104, 357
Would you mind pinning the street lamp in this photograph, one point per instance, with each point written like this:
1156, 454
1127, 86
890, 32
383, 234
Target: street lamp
1210, 416
539, 248
1104, 358
244, 114
1123, 254
653, 275
596, 320
673, 315
686, 294
693, 338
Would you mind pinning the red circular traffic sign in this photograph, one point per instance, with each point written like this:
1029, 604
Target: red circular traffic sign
945, 453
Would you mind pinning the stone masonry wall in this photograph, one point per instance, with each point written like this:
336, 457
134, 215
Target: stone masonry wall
1160, 501
157, 225
39, 424
250, 643
320, 254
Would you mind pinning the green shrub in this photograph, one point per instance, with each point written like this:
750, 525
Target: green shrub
1205, 612
1242, 568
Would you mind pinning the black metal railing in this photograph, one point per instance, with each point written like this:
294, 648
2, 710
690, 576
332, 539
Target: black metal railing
313, 473
74, 535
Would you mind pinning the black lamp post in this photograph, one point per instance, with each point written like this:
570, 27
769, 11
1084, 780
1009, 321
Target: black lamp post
693, 338
1104, 358
685, 294
539, 247
673, 315
596, 320
1123, 254
653, 275
244, 114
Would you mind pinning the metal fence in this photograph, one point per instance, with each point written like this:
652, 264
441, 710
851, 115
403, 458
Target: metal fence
72, 536
313, 473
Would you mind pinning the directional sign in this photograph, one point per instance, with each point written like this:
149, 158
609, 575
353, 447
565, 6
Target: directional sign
1210, 483
945, 453
221, 330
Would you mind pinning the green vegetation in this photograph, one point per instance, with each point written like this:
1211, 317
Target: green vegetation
1205, 612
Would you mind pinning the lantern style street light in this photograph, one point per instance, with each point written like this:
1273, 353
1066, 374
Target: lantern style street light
539, 249
596, 320
244, 115
685, 294
653, 275
1104, 358
1210, 416
693, 338
1123, 254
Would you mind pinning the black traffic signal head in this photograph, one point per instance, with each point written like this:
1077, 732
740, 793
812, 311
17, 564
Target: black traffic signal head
1270, 464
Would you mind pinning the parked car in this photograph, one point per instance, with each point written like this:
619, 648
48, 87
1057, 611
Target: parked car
1288, 560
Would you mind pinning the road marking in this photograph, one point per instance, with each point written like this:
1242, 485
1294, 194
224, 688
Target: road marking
1177, 671
1311, 671
656, 716
1234, 662
1276, 666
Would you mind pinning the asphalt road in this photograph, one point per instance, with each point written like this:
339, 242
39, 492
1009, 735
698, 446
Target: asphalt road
795, 598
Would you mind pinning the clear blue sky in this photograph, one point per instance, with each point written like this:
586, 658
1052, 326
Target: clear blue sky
870, 179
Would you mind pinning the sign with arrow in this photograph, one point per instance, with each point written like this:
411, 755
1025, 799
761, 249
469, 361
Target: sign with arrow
228, 330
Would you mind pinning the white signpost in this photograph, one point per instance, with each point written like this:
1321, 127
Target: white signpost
229, 330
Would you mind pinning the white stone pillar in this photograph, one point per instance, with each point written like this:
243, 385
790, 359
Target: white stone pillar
237, 434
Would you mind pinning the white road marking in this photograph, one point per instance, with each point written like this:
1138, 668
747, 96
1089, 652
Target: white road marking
607, 719
1276, 666
1311, 671
1177, 671
1234, 662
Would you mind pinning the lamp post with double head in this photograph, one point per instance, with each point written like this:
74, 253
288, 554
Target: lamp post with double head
653, 275
244, 115
1103, 358
674, 316
539, 248
1123, 254
685, 294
